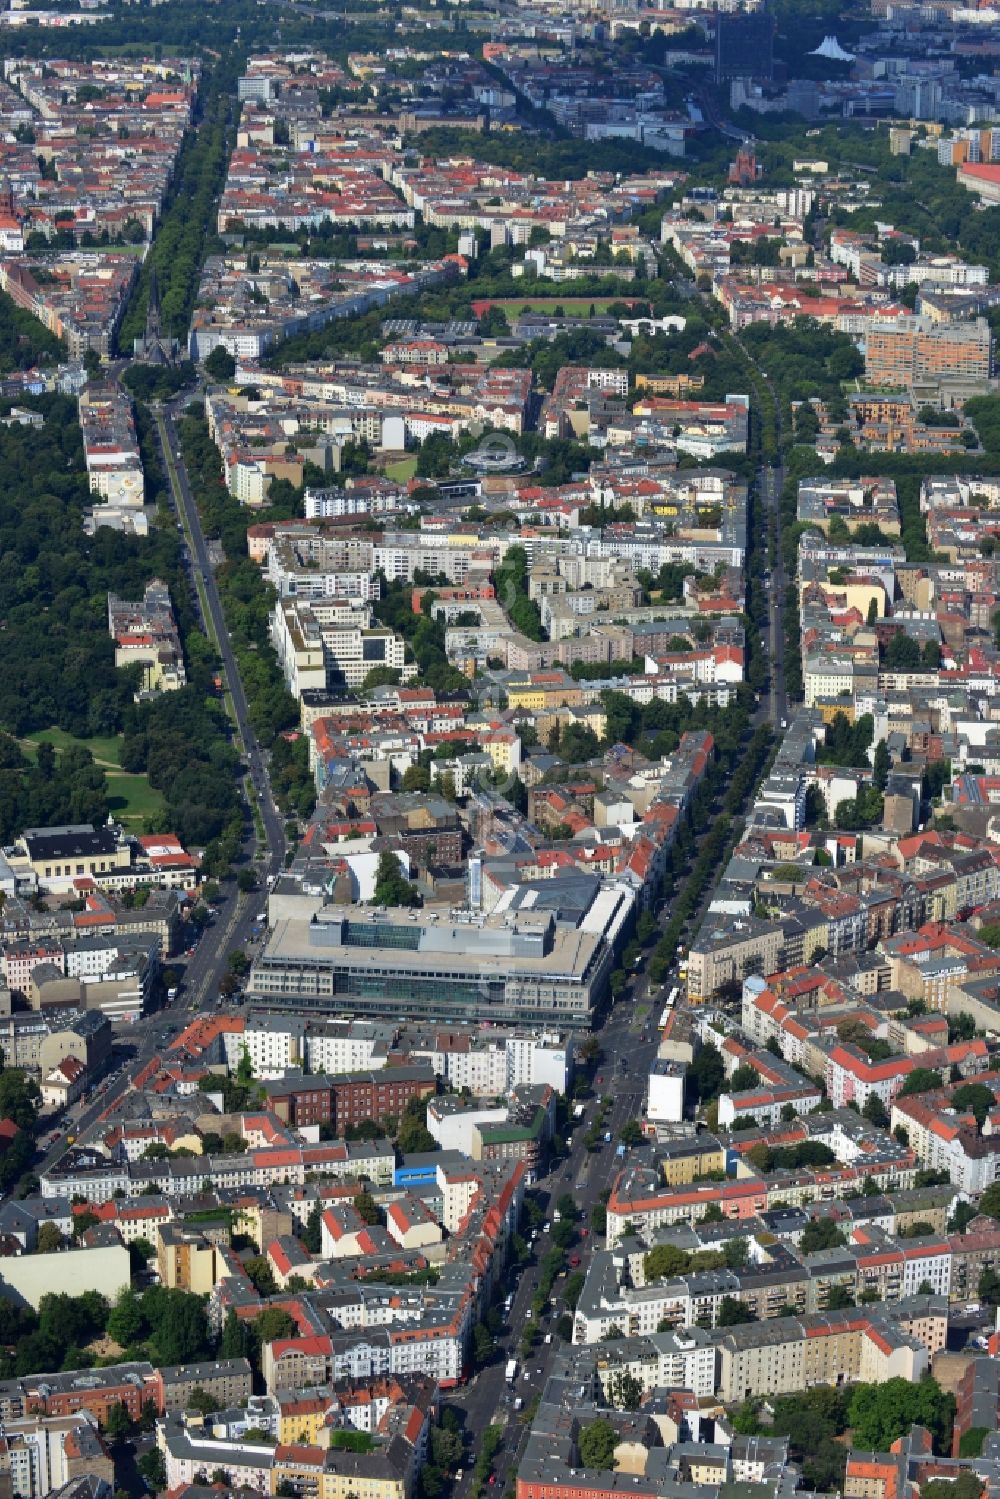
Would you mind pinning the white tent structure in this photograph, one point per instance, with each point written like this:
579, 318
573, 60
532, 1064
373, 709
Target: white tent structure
831, 48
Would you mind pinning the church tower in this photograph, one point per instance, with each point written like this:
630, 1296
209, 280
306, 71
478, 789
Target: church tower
153, 311
153, 348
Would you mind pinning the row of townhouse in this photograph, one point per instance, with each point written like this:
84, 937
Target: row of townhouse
872, 1345
847, 910
436, 1344
97, 1392
486, 1061
111, 447
89, 1173
803, 1010
873, 1267
246, 305
641, 1199
780, 1087
703, 1368
108, 132
79, 296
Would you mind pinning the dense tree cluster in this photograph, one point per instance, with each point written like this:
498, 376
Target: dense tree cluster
820, 1234
706, 1075
732, 1312
880, 1414
545, 357
247, 602
489, 277
392, 888
812, 1422
242, 1338
53, 1338
847, 743
51, 791
984, 412
920, 1080
511, 582
180, 739
188, 218
976, 1099
57, 659
220, 364
291, 779
791, 1157
856, 813
56, 656
596, 1444
665, 1260
24, 342
19, 1101
903, 653
167, 1326
158, 382
804, 358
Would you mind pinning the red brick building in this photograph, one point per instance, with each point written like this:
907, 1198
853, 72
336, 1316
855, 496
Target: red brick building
371, 1095
349, 1097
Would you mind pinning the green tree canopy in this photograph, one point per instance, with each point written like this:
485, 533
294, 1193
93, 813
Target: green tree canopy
974, 1098
665, 1261
880, 1414
220, 364
706, 1074
596, 1445
732, 1312
821, 1233
392, 888
920, 1080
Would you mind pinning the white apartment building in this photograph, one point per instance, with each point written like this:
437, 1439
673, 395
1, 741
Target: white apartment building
314, 566
931, 1265
298, 643
117, 477
275, 1043
272, 1048
351, 1052
36, 1451
826, 677
453, 1126
316, 651
247, 1463
401, 555
488, 1067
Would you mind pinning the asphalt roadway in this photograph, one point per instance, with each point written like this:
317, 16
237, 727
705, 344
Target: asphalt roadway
486, 1399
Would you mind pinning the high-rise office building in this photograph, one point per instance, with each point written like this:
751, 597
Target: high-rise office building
744, 44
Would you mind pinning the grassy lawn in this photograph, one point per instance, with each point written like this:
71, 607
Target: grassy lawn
402, 471
131, 798
106, 750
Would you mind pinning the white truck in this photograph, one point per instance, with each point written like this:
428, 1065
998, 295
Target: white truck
510, 1373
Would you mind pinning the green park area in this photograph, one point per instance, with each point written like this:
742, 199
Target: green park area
131, 799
